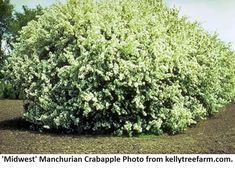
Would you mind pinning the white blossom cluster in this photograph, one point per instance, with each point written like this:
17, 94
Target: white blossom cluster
124, 67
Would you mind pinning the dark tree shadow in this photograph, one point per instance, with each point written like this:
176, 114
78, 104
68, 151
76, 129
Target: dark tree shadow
18, 124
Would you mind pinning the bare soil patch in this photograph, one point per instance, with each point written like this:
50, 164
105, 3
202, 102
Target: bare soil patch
215, 135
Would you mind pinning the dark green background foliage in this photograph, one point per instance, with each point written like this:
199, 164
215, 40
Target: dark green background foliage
121, 67
6, 10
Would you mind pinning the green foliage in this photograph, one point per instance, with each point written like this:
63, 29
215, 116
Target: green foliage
6, 10
11, 22
21, 19
121, 67
8, 91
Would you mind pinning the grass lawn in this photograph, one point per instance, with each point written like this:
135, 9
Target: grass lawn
216, 135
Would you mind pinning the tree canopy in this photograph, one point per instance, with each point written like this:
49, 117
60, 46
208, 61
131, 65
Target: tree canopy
12, 21
6, 12
21, 19
124, 67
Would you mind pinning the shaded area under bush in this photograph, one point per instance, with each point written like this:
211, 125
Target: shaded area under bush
216, 135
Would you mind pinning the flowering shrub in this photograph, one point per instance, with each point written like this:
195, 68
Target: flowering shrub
121, 67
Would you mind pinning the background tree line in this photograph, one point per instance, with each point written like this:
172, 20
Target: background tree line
11, 22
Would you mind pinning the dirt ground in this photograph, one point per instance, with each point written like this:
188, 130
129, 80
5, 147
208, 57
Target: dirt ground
216, 135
